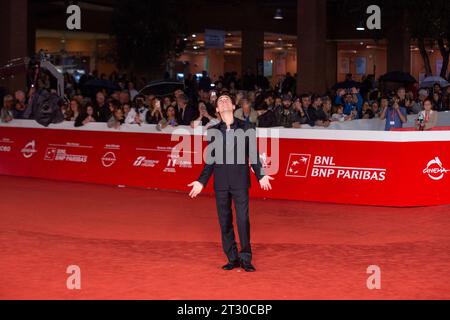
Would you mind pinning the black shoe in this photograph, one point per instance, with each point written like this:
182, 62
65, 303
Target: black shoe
248, 267
231, 265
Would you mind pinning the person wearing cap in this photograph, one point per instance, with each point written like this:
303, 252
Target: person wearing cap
418, 105
230, 164
286, 115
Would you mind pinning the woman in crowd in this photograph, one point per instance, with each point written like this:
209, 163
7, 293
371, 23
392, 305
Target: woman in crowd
375, 109
155, 114
7, 110
427, 119
204, 117
74, 110
438, 104
86, 116
132, 116
171, 119
367, 112
117, 118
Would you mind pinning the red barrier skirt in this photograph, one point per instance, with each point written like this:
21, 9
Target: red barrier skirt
354, 167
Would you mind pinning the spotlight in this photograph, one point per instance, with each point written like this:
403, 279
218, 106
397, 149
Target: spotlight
278, 15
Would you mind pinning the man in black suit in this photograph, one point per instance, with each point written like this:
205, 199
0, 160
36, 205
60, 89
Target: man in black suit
232, 148
185, 112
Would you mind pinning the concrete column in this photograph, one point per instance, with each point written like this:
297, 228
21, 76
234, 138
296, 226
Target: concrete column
252, 36
398, 48
311, 46
331, 64
216, 63
252, 49
14, 35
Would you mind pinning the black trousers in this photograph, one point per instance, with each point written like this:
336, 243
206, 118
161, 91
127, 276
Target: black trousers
224, 210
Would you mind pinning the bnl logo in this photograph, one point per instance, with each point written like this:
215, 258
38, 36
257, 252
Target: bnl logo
298, 165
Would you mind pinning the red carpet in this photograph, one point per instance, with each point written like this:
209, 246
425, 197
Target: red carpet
143, 244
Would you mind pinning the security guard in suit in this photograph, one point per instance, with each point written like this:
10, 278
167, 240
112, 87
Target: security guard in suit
232, 148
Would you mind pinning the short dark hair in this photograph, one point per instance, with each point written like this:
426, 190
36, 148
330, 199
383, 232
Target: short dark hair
184, 97
429, 100
304, 95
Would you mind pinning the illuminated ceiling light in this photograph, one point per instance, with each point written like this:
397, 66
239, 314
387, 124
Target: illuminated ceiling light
360, 26
195, 47
194, 35
278, 15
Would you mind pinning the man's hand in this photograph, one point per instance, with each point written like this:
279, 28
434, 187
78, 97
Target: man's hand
197, 187
265, 183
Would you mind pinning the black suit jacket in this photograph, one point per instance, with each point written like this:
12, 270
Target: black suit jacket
185, 118
232, 176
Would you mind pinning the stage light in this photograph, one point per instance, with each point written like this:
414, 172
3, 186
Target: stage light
278, 15
360, 26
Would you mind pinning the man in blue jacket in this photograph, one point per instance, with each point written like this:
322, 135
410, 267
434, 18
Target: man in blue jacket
351, 100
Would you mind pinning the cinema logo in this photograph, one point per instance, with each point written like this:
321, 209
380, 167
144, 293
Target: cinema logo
435, 170
29, 150
325, 167
56, 154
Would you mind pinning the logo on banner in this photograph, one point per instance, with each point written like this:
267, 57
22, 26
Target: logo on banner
435, 170
5, 148
50, 154
298, 165
29, 150
142, 161
265, 160
109, 159
325, 167
55, 154
174, 161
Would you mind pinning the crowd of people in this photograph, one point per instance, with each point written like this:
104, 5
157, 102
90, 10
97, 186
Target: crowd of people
255, 102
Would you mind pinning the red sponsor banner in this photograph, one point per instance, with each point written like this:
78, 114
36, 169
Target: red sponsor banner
393, 173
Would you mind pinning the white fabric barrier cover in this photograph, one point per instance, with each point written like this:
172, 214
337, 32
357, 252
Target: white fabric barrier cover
379, 125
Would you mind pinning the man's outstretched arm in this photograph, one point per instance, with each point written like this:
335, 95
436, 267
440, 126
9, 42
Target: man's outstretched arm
202, 181
264, 180
205, 175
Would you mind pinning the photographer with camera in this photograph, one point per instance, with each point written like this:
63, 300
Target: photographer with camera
427, 118
394, 114
137, 114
